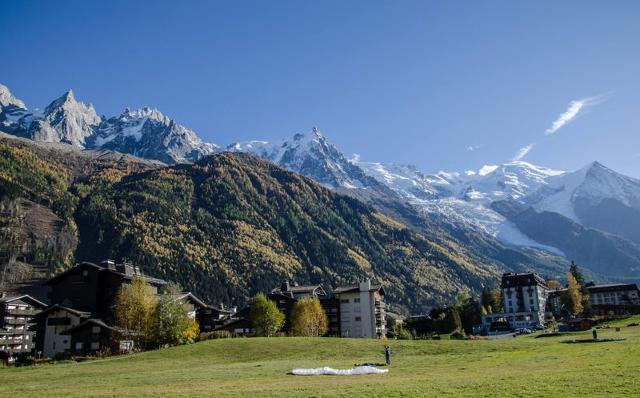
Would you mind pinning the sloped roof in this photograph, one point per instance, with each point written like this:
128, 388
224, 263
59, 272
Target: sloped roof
294, 290
23, 297
63, 308
190, 297
154, 281
91, 321
612, 287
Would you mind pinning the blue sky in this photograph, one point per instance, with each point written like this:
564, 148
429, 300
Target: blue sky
442, 85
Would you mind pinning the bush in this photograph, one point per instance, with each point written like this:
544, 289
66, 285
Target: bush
401, 333
457, 335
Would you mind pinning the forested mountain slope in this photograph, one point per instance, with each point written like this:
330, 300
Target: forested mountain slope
232, 225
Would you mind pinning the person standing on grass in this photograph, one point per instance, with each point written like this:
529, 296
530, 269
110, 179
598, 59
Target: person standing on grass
595, 334
387, 354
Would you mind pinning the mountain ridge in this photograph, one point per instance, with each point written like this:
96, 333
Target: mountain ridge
452, 201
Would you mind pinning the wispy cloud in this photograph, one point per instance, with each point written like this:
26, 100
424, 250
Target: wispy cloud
472, 148
574, 108
355, 158
522, 152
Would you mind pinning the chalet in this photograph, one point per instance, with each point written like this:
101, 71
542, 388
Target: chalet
52, 325
524, 297
93, 336
238, 323
80, 319
190, 302
16, 321
93, 288
362, 310
210, 317
286, 296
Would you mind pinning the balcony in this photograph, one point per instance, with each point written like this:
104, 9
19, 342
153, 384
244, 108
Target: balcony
15, 321
16, 311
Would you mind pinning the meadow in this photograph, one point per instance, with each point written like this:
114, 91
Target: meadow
258, 367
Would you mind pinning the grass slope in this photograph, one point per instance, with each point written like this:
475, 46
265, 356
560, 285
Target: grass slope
522, 367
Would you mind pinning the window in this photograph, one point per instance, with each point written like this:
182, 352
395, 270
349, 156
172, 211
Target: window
356, 300
95, 329
358, 319
79, 345
95, 346
344, 301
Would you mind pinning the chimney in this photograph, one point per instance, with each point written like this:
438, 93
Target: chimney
128, 269
365, 286
109, 264
284, 287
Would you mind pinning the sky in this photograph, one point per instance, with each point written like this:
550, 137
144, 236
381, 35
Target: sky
449, 85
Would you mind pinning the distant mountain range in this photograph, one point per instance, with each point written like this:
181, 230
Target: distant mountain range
591, 215
145, 132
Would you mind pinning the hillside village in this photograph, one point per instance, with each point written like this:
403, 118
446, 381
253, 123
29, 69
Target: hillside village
82, 316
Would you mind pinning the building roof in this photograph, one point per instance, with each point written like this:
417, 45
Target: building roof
92, 322
612, 287
395, 316
56, 307
23, 297
219, 309
231, 322
151, 280
356, 288
190, 297
511, 279
294, 290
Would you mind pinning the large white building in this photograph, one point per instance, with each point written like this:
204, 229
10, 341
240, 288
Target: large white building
524, 298
613, 297
362, 310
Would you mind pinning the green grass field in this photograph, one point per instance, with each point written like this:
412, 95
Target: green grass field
523, 367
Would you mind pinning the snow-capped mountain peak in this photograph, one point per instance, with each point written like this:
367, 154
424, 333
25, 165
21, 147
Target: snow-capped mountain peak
6, 98
590, 184
147, 132
144, 132
65, 120
511, 180
310, 154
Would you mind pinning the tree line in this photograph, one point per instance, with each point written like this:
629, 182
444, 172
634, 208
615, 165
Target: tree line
308, 317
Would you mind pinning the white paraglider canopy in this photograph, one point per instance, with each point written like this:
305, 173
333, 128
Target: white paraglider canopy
358, 370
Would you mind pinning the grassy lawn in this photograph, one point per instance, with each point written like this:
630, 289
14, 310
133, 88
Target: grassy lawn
521, 367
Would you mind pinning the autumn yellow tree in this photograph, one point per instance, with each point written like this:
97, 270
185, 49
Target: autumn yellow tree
308, 318
134, 310
573, 297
